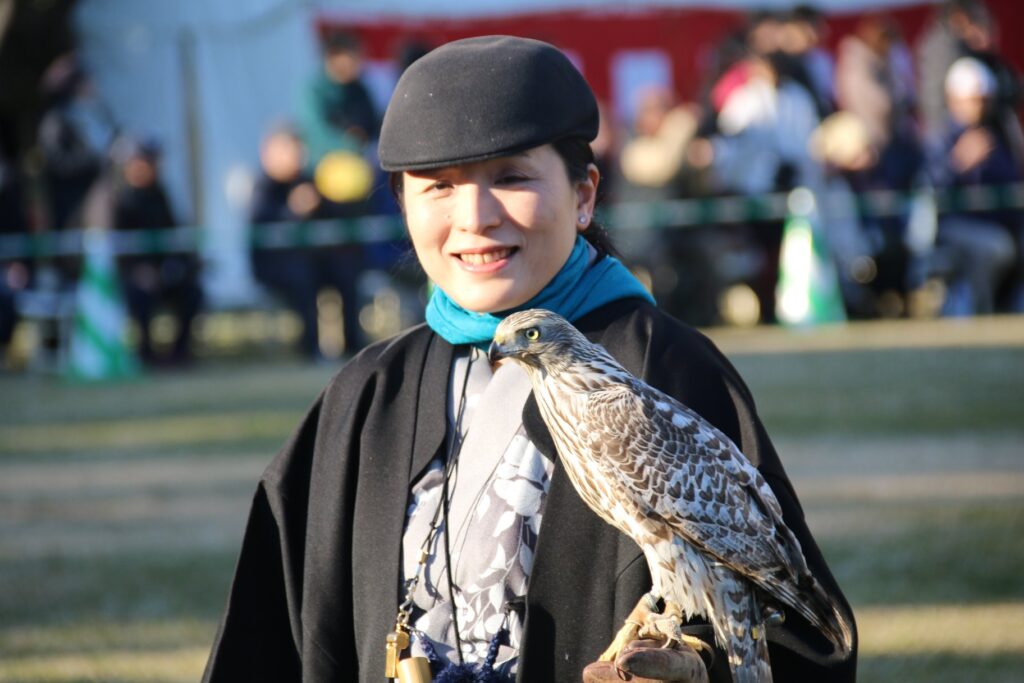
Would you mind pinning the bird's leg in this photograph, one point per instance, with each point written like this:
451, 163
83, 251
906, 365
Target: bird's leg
647, 606
668, 626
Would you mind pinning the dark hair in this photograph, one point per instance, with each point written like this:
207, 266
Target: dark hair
341, 41
975, 10
577, 156
807, 13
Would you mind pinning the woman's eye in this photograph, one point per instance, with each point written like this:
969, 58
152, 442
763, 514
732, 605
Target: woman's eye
511, 179
439, 185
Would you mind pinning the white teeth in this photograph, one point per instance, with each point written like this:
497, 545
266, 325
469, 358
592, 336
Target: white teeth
489, 257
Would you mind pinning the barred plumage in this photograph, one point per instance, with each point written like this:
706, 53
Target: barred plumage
709, 525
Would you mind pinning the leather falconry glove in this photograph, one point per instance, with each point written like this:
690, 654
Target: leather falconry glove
646, 661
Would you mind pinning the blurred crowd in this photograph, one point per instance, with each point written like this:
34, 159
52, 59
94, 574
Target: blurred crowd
778, 110
93, 173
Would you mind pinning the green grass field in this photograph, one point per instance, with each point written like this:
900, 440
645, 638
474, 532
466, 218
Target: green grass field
121, 506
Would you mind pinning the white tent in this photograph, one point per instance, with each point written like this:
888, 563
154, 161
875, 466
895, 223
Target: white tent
207, 77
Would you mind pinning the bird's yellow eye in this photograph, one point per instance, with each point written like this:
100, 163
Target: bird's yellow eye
531, 333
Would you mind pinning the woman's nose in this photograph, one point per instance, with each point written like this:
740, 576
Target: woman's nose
476, 209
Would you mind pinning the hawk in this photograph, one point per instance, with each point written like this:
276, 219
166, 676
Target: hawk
709, 525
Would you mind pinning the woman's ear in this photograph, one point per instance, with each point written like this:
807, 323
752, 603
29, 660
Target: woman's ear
586, 196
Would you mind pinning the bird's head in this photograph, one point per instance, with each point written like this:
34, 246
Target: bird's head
537, 339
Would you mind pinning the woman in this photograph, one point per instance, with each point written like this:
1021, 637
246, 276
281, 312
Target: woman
486, 139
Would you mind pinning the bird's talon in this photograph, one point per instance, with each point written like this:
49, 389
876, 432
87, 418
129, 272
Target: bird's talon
695, 643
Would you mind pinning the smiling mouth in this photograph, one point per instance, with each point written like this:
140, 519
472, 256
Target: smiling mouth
487, 257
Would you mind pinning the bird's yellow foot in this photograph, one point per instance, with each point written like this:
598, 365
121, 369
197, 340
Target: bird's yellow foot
626, 635
630, 630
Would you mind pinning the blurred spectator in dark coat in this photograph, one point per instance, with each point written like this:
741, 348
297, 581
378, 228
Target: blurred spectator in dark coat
777, 37
133, 198
75, 135
976, 152
966, 28
959, 26
285, 192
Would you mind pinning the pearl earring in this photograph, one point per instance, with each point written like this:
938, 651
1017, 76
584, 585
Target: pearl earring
582, 219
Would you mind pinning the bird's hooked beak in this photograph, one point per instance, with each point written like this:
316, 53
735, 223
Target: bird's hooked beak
496, 351
506, 344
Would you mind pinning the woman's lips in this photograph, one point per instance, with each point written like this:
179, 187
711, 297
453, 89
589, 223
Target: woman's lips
486, 261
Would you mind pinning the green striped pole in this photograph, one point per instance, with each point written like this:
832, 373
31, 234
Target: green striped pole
808, 290
98, 349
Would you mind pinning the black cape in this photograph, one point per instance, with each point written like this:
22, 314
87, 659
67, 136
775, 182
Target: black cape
317, 584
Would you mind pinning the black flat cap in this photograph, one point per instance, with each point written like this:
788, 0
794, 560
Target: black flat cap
481, 98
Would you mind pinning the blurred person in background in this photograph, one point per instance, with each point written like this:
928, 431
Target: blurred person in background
339, 124
875, 94
976, 152
74, 138
958, 28
130, 198
75, 134
786, 40
653, 167
336, 111
285, 192
967, 28
874, 80
652, 160
763, 121
801, 35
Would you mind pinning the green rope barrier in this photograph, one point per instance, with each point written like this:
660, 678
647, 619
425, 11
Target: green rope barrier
625, 216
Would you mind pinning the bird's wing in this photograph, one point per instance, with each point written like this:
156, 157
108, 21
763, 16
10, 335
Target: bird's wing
693, 477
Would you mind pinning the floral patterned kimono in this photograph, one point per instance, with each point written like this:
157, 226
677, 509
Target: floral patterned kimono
497, 501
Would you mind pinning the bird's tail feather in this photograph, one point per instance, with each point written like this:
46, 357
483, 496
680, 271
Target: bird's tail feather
819, 608
831, 620
739, 629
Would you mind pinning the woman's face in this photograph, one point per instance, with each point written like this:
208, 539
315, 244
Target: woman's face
492, 234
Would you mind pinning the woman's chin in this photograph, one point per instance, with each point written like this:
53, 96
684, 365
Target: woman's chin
495, 303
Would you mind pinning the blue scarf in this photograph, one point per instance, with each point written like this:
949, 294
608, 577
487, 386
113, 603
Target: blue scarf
577, 289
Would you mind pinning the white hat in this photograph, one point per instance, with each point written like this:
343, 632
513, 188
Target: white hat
969, 77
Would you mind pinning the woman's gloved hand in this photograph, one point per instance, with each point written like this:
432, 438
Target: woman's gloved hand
646, 661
